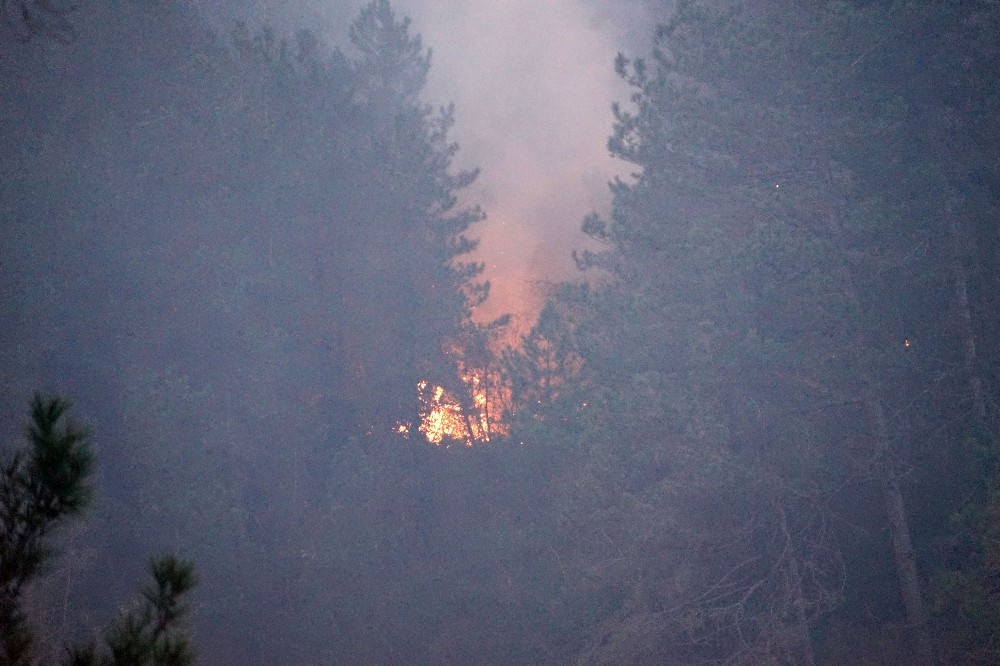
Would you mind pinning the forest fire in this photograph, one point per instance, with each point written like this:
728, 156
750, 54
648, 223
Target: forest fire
444, 419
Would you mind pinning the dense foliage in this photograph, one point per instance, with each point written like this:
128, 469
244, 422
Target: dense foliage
43, 486
763, 431
785, 351
243, 252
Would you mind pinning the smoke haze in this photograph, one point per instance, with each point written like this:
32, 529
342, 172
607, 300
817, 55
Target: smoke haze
533, 85
232, 248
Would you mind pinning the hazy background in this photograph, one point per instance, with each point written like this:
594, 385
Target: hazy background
141, 280
237, 256
533, 84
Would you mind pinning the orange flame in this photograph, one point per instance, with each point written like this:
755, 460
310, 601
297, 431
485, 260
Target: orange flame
443, 419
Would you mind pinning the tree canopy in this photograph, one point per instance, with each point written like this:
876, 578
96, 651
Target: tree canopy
42, 487
761, 430
753, 352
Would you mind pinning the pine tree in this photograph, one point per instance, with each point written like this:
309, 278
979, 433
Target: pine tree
749, 288
408, 265
151, 633
40, 489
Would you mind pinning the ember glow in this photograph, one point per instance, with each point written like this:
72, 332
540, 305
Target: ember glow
444, 419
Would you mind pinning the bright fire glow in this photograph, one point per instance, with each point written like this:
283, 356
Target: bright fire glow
443, 419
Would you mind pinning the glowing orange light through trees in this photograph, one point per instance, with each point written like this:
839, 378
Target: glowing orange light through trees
444, 419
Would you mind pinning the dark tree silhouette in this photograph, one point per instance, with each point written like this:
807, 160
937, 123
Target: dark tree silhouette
41, 488
149, 634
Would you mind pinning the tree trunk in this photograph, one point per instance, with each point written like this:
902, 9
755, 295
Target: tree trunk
804, 648
886, 467
801, 621
965, 316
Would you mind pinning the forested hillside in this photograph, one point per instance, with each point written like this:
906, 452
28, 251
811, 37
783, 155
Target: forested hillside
759, 427
794, 458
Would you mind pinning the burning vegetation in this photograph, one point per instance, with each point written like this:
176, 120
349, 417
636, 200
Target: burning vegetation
445, 419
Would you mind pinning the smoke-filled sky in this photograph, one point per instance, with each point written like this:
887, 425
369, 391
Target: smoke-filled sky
533, 83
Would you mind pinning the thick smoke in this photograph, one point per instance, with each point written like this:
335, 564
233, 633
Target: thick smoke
533, 85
